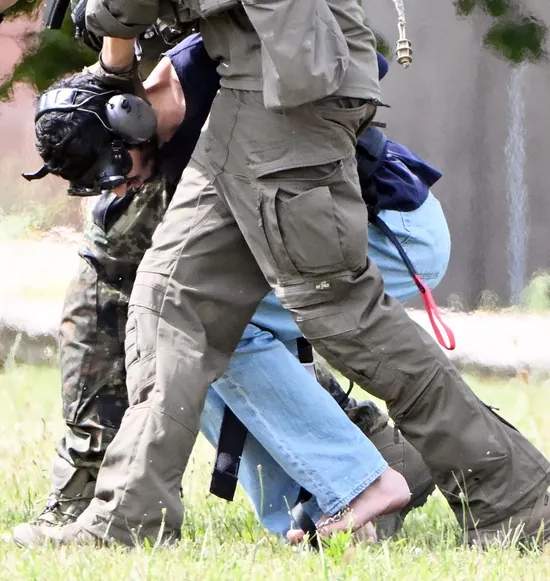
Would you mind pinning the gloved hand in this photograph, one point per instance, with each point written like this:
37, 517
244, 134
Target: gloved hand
126, 81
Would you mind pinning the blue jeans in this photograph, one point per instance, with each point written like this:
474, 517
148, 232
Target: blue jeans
264, 377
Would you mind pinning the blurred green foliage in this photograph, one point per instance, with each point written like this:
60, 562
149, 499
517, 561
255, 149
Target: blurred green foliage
383, 46
49, 54
515, 34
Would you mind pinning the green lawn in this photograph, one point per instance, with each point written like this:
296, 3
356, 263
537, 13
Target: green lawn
222, 541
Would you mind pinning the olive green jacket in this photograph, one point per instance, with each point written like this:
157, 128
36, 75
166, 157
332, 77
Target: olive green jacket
294, 51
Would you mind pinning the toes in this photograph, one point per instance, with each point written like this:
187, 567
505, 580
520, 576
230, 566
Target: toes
295, 536
366, 534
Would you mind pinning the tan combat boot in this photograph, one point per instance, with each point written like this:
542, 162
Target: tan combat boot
528, 527
397, 452
62, 508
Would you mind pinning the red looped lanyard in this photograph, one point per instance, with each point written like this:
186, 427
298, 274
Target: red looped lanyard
438, 325
429, 303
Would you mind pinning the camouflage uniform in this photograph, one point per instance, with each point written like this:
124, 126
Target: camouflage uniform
92, 342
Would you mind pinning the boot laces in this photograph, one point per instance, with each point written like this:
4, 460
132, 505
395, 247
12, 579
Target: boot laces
55, 503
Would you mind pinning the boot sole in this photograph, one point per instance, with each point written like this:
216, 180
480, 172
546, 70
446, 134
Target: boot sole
531, 528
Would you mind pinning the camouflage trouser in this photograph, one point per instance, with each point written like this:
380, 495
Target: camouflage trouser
93, 329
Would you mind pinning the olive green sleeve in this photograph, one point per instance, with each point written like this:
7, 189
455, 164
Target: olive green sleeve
121, 18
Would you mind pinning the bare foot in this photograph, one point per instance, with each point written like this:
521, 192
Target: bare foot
388, 493
366, 533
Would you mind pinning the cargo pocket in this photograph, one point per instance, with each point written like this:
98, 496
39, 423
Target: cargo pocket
308, 229
141, 331
301, 232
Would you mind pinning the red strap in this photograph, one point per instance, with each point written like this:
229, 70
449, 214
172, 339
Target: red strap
435, 316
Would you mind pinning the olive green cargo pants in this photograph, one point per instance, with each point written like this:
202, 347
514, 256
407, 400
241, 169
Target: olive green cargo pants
273, 199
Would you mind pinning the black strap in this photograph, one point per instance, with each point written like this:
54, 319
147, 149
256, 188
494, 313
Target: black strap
381, 225
305, 350
231, 442
298, 513
305, 355
228, 456
304, 522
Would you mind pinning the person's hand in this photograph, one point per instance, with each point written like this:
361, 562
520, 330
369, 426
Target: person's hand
117, 66
126, 80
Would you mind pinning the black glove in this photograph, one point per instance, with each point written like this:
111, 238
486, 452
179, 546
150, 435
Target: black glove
125, 81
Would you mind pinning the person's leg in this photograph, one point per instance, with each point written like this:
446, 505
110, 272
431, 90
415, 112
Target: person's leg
93, 394
425, 234
307, 233
286, 411
93, 326
195, 291
92, 331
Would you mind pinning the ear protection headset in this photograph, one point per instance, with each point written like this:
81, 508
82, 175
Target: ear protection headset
131, 121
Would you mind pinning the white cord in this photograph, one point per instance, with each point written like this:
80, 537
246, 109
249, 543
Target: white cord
400, 7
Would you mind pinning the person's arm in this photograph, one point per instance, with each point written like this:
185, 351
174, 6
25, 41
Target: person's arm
117, 66
117, 54
165, 94
121, 19
119, 23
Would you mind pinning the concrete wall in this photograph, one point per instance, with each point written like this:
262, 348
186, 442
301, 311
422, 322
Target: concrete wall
452, 106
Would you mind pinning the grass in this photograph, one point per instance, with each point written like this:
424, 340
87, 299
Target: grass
536, 296
223, 541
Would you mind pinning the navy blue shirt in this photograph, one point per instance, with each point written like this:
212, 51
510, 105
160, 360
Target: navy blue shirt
200, 83
398, 177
